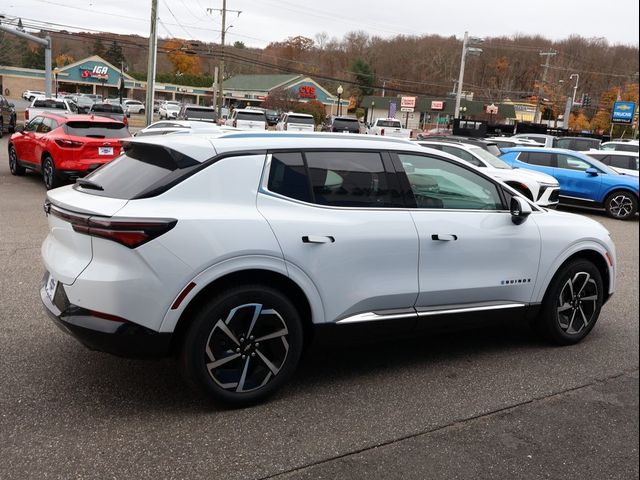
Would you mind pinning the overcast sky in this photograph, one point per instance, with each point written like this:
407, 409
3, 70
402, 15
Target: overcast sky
264, 21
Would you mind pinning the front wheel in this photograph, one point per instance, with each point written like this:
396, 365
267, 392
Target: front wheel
49, 174
621, 205
572, 303
242, 345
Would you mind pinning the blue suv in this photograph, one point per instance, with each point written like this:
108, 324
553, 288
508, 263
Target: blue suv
584, 181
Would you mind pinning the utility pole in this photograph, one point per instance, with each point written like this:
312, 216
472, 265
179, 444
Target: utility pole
46, 43
467, 49
223, 32
548, 54
151, 65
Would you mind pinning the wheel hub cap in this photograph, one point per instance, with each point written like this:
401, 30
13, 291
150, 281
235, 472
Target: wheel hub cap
577, 303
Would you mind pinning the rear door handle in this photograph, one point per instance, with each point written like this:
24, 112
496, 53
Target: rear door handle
446, 237
317, 239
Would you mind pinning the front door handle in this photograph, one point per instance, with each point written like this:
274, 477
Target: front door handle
317, 239
446, 237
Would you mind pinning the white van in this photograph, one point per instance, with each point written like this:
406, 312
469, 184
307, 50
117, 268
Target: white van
296, 122
247, 119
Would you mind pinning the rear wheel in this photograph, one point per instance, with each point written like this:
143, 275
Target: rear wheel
572, 303
14, 166
49, 174
621, 205
242, 345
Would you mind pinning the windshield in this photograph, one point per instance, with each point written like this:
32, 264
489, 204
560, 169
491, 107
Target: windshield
50, 104
489, 158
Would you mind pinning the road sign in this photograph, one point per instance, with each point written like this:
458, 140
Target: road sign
623, 112
406, 109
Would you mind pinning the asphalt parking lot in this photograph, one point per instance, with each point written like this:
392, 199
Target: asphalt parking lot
494, 403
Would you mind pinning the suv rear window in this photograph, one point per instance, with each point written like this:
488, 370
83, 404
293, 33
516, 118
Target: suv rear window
143, 171
107, 108
195, 112
346, 124
578, 144
304, 120
49, 104
255, 116
97, 129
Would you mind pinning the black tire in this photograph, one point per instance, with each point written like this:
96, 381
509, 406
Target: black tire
49, 173
621, 204
141, 111
253, 366
1, 128
12, 126
14, 166
567, 315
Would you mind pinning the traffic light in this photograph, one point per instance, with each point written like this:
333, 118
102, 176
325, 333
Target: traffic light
586, 100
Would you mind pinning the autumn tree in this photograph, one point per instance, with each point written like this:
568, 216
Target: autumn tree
64, 59
280, 99
183, 62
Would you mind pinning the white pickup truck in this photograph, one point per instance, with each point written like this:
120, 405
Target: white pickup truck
49, 105
389, 127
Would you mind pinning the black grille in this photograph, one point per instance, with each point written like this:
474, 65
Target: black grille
555, 195
60, 299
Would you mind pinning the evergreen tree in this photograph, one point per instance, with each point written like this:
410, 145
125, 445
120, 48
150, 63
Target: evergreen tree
98, 47
33, 58
364, 77
114, 54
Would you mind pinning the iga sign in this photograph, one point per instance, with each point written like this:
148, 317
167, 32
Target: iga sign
623, 112
99, 72
307, 91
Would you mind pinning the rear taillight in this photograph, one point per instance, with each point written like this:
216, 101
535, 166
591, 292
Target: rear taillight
125, 121
130, 232
382, 131
65, 143
235, 124
26, 114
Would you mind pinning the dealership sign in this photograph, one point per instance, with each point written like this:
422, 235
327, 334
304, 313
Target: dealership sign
407, 104
99, 72
623, 112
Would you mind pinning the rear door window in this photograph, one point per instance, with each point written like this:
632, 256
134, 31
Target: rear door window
538, 158
288, 176
97, 129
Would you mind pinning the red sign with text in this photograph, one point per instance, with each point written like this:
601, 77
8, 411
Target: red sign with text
307, 91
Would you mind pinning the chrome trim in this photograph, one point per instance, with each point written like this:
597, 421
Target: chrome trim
374, 317
470, 309
578, 198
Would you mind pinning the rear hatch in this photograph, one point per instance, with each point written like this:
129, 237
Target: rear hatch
144, 171
300, 123
250, 121
92, 143
202, 114
346, 125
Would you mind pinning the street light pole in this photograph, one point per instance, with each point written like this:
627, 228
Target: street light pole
339, 90
467, 49
549, 54
575, 87
151, 65
55, 76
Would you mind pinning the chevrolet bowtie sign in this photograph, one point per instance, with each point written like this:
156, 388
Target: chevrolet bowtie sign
623, 112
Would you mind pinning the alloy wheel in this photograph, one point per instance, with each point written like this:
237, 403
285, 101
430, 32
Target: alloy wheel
247, 349
621, 206
577, 303
48, 173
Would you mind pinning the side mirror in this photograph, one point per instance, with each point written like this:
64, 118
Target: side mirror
520, 210
593, 172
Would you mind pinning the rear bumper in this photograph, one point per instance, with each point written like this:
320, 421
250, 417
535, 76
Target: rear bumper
103, 333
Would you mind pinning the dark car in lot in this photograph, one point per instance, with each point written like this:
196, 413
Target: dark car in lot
7, 116
272, 117
341, 124
65, 147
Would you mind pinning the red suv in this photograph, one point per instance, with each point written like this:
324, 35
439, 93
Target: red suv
64, 148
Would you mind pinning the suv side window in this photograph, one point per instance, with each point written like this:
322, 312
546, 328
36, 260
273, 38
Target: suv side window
538, 158
288, 176
572, 163
463, 154
33, 125
438, 183
349, 179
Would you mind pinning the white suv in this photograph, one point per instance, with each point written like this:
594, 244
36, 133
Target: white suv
296, 122
231, 249
543, 189
247, 119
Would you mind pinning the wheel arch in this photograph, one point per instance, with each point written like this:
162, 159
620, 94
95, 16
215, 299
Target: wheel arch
521, 188
593, 255
307, 308
618, 188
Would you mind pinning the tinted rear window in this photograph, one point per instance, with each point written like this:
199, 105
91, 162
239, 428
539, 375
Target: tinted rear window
143, 171
538, 158
107, 108
389, 123
207, 113
97, 129
256, 116
578, 144
49, 104
346, 124
300, 119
